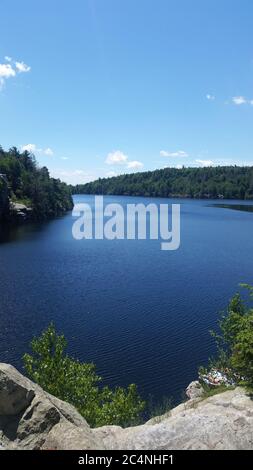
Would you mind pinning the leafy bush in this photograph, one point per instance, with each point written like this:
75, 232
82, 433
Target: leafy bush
235, 342
78, 383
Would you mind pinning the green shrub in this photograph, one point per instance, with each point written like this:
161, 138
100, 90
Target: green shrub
235, 341
78, 383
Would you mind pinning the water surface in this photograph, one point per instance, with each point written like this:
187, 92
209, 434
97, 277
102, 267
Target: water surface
141, 314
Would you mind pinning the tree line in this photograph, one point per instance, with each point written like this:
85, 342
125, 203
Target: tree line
228, 182
31, 185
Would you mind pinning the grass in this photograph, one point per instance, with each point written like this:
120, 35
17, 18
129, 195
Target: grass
210, 392
154, 409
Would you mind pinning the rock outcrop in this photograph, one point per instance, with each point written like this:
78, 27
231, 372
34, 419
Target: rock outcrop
30, 418
33, 419
194, 390
20, 211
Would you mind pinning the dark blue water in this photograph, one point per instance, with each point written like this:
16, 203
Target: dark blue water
141, 314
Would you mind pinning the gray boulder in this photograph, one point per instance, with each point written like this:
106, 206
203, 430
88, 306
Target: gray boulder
194, 390
30, 418
33, 419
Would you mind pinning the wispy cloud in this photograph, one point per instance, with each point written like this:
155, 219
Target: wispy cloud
135, 164
10, 70
210, 97
204, 163
22, 67
32, 148
110, 174
178, 154
73, 176
49, 152
239, 100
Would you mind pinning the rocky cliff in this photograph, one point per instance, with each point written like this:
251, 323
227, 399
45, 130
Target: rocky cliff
32, 419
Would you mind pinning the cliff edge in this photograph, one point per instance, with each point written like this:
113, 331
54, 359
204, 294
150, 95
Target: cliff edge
30, 418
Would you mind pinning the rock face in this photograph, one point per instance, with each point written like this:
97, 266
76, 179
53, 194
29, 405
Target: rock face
194, 390
20, 211
32, 419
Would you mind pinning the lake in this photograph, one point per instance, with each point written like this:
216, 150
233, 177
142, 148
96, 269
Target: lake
140, 314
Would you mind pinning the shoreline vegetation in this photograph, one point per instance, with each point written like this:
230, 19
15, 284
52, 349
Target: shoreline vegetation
27, 192
221, 182
79, 384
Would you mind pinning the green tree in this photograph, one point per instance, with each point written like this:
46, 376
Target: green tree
230, 182
29, 184
78, 383
235, 342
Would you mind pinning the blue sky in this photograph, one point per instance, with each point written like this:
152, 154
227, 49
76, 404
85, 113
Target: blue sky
103, 87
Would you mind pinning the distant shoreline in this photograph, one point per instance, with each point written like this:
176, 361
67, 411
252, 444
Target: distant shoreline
218, 183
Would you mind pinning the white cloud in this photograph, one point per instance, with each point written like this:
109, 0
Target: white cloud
119, 158
64, 158
48, 152
116, 158
210, 97
22, 67
205, 163
239, 100
32, 148
164, 153
7, 70
178, 154
135, 165
110, 174
74, 176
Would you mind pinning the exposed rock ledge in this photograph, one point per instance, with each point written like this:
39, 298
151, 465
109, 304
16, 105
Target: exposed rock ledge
32, 419
20, 211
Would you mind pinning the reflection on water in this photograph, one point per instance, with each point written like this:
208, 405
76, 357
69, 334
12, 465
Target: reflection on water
235, 207
15, 232
10, 233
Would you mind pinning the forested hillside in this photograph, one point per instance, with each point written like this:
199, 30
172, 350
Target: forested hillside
230, 182
28, 184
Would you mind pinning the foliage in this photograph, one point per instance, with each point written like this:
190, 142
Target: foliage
27, 182
155, 409
235, 341
78, 383
4, 200
210, 392
229, 182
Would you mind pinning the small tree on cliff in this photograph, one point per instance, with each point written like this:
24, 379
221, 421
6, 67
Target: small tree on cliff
78, 383
235, 343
